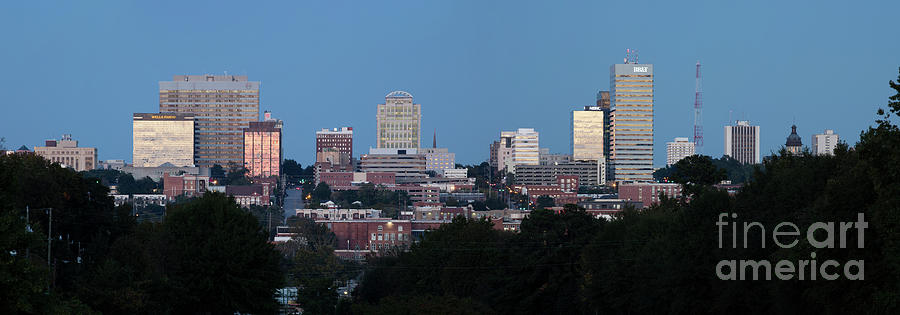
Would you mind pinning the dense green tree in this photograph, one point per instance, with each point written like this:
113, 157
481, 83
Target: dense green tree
237, 176
217, 174
735, 172
219, 259
322, 192
293, 171
544, 202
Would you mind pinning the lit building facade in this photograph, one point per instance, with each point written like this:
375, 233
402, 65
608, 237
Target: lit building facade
631, 101
222, 105
823, 144
438, 159
399, 122
66, 152
520, 147
588, 134
742, 142
262, 148
678, 149
162, 138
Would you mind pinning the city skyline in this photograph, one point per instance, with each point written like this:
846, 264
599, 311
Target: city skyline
472, 92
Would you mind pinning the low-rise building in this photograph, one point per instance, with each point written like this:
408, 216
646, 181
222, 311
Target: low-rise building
248, 195
406, 164
589, 173
455, 173
67, 153
648, 193
438, 159
187, 185
338, 214
607, 208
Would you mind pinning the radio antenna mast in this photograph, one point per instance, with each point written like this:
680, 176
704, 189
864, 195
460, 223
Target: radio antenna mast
698, 104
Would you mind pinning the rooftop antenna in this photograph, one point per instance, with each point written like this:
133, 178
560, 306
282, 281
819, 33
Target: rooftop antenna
631, 56
698, 104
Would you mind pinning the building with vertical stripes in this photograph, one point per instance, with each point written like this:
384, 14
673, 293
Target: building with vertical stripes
742, 142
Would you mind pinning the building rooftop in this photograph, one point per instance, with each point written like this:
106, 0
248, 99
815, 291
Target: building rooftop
399, 94
793, 140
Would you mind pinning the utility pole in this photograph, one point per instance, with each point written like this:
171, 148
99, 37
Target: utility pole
49, 237
49, 244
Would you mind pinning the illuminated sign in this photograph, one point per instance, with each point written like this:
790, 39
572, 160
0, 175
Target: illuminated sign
162, 117
640, 69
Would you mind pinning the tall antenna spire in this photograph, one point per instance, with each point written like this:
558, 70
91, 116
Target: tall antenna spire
434, 140
698, 104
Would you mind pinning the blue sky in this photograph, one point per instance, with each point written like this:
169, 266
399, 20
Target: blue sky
477, 67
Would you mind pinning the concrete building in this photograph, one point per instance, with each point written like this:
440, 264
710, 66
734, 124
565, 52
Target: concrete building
336, 139
588, 133
455, 173
547, 158
678, 149
742, 142
823, 144
263, 148
67, 153
162, 138
407, 164
793, 144
631, 100
589, 173
222, 105
399, 122
520, 147
157, 173
438, 159
338, 214
648, 193
504, 151
351, 180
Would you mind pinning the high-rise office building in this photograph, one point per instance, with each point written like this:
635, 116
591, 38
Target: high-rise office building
588, 134
793, 144
678, 149
631, 101
399, 122
222, 105
520, 147
823, 144
162, 138
742, 142
66, 152
262, 148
